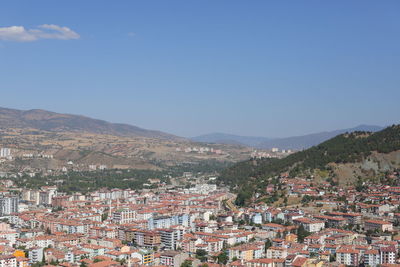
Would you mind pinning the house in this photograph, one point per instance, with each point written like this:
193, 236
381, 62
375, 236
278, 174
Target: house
265, 262
352, 218
332, 221
273, 228
277, 252
22, 262
107, 263
93, 250
147, 238
378, 225
291, 238
8, 261
246, 251
173, 258
299, 261
146, 256
257, 218
213, 244
310, 225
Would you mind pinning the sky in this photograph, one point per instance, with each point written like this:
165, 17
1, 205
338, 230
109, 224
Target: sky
260, 68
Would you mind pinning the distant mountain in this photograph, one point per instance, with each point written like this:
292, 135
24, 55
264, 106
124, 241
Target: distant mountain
309, 140
51, 121
231, 139
294, 143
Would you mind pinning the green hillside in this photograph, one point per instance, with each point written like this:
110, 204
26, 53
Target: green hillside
248, 176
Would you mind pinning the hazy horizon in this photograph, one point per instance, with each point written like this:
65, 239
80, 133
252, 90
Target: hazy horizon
201, 134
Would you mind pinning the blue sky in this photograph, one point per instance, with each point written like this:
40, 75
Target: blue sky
268, 68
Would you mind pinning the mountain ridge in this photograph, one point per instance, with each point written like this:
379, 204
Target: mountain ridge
294, 142
52, 121
223, 138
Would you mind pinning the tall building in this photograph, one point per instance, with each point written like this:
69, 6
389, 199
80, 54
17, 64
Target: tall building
8, 205
124, 216
168, 221
5, 152
170, 238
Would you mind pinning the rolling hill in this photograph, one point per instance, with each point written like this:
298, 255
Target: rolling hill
41, 141
55, 122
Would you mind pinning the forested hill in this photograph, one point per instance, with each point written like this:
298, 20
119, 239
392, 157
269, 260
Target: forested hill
344, 148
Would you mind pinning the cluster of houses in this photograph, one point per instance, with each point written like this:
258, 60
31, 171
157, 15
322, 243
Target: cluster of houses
197, 227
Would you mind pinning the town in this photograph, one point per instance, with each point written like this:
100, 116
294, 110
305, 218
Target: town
200, 226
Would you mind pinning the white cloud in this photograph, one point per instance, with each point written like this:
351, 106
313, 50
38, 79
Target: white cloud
45, 31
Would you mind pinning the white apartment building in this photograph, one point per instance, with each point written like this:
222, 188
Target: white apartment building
8, 205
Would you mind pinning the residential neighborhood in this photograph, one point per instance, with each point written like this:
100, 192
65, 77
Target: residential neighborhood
197, 227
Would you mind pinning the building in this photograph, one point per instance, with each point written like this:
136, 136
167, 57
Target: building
378, 225
264, 262
348, 256
47, 194
170, 237
8, 205
173, 258
124, 216
332, 221
61, 201
257, 218
145, 256
5, 152
146, 238
310, 225
35, 254
8, 261
372, 258
247, 251
388, 255
277, 253
168, 221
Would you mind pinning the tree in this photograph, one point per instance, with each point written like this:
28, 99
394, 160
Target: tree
201, 254
306, 199
242, 197
122, 261
222, 258
268, 244
186, 263
302, 233
285, 201
360, 185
